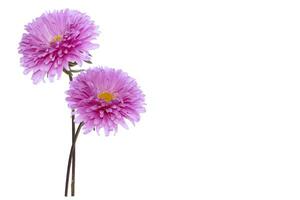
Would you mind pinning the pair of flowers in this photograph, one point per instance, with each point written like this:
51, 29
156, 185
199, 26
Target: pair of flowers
100, 97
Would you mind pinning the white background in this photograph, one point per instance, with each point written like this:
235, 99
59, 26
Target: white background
222, 82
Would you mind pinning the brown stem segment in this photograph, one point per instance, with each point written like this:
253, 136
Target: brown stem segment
70, 158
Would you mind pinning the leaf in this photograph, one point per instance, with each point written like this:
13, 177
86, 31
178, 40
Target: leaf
88, 61
72, 64
76, 70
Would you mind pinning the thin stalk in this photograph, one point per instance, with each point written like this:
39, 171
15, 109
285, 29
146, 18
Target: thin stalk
69, 73
73, 157
70, 157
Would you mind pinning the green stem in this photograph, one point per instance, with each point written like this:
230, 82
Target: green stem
70, 157
73, 156
69, 73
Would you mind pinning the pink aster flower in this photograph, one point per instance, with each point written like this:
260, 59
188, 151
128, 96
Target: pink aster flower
104, 98
55, 39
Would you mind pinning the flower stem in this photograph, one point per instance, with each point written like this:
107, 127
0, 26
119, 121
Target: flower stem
73, 157
70, 158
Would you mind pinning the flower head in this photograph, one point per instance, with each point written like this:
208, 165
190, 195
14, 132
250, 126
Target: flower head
104, 98
55, 39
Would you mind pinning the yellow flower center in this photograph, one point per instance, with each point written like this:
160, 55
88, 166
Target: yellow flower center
57, 38
106, 96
